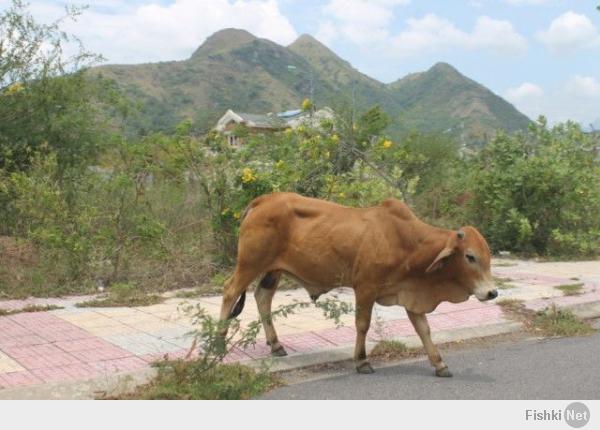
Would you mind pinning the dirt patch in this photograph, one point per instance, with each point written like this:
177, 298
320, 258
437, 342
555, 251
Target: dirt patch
17, 250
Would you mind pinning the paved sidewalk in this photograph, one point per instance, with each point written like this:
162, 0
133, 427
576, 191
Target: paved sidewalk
81, 343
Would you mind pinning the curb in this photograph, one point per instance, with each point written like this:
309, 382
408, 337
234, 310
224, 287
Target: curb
88, 389
344, 353
118, 383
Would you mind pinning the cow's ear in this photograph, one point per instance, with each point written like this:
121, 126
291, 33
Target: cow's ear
448, 250
438, 263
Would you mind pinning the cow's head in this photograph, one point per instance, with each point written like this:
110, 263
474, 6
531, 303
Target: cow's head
466, 260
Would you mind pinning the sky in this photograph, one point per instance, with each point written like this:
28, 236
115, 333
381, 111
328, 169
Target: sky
541, 55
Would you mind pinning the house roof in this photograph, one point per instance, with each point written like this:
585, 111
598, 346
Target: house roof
289, 113
261, 121
279, 121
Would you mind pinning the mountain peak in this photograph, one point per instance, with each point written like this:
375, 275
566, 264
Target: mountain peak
306, 38
224, 40
306, 44
441, 67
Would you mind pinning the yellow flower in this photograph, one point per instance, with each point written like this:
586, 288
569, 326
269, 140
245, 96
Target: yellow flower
335, 138
236, 215
14, 88
387, 144
327, 154
342, 195
279, 164
225, 211
248, 175
306, 105
301, 129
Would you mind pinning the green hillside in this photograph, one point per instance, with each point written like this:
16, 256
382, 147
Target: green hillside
235, 70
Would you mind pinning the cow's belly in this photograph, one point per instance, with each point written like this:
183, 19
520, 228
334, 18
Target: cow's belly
318, 272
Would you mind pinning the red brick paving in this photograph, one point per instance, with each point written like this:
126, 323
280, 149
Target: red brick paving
50, 349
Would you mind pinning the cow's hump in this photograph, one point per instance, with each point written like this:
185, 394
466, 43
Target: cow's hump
399, 209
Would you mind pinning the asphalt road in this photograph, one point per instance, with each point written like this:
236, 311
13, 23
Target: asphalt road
567, 368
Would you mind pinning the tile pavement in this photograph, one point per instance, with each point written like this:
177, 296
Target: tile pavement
81, 343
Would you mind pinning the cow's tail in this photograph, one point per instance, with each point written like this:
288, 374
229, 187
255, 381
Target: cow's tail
239, 306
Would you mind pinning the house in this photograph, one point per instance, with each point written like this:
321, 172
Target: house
230, 122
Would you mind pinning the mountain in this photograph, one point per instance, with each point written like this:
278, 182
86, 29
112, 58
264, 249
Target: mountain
234, 69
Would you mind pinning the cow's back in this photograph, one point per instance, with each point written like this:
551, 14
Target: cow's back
314, 240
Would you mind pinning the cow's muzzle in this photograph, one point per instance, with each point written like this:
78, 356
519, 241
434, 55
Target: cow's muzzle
492, 295
485, 291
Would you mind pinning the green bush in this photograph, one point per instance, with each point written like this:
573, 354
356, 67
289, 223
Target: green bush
539, 192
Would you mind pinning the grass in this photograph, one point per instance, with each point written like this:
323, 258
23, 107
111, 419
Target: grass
512, 306
190, 380
390, 349
126, 295
549, 322
504, 264
560, 322
571, 289
503, 283
188, 294
29, 308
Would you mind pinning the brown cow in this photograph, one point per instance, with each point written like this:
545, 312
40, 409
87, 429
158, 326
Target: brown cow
385, 253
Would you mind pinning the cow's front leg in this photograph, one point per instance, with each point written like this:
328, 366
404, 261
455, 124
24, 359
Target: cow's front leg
364, 308
419, 322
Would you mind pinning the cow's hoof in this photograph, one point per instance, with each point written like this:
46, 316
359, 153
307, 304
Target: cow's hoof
279, 352
443, 373
365, 369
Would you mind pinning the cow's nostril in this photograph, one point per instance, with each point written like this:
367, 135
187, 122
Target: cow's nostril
492, 294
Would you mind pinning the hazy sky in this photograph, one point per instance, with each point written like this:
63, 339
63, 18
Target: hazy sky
541, 55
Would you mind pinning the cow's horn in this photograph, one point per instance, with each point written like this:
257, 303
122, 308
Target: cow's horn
460, 234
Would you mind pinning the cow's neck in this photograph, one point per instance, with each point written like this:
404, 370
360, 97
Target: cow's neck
428, 242
440, 286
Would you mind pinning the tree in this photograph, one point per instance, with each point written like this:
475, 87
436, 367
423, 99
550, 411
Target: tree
46, 100
357, 136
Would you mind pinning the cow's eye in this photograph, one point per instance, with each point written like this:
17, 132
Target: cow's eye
470, 257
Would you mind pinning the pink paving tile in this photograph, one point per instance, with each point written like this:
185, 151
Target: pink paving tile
9, 328
442, 322
36, 319
338, 336
103, 353
21, 378
20, 351
86, 344
305, 341
446, 307
236, 355
63, 334
47, 360
536, 279
258, 350
562, 301
491, 314
49, 327
65, 373
390, 329
22, 340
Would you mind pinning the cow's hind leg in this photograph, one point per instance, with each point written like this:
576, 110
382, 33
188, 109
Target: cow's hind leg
264, 297
419, 322
234, 292
364, 309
